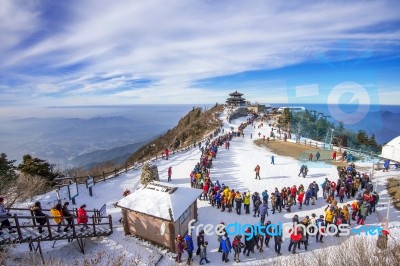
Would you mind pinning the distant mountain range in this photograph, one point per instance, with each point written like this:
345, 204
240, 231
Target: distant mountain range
117, 155
384, 124
79, 142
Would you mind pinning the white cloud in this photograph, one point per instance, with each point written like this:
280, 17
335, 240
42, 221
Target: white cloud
177, 44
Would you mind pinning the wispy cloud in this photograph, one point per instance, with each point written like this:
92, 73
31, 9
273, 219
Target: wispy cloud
105, 50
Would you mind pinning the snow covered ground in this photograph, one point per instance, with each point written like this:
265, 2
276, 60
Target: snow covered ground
235, 168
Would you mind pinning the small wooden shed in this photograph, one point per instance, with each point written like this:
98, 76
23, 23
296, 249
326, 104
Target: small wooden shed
159, 212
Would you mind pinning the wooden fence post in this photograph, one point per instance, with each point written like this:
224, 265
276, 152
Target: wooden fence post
17, 225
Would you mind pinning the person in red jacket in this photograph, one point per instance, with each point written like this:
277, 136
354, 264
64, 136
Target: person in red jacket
166, 153
300, 198
295, 237
82, 217
334, 156
169, 173
293, 193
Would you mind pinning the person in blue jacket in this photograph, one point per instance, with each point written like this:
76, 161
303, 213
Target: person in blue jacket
265, 196
309, 195
189, 247
386, 165
226, 247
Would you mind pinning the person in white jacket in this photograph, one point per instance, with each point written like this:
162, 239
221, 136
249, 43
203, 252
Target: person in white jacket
4, 217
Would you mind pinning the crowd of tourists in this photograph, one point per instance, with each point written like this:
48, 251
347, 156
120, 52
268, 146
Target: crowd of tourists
350, 184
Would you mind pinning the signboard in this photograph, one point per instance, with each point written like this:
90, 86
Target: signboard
102, 212
90, 182
73, 190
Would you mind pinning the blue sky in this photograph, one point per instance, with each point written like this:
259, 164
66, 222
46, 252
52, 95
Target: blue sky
135, 52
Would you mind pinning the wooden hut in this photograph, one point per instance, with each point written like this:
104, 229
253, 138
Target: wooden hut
159, 212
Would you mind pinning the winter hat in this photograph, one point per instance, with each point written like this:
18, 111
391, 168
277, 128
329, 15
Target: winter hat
37, 203
313, 215
321, 216
247, 230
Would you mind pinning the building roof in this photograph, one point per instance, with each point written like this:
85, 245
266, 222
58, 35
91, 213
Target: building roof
236, 93
392, 150
240, 99
158, 198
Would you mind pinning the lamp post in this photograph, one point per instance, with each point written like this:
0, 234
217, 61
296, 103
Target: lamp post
330, 142
58, 195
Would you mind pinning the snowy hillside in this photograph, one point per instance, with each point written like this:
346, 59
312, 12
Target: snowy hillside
233, 167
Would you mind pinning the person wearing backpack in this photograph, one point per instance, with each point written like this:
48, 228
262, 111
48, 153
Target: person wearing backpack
41, 218
237, 245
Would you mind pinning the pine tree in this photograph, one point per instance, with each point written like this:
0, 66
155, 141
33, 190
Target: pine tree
362, 137
372, 141
7, 172
37, 167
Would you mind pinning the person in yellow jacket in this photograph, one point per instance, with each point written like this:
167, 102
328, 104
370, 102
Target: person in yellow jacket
226, 192
328, 215
231, 198
355, 208
56, 212
346, 214
246, 202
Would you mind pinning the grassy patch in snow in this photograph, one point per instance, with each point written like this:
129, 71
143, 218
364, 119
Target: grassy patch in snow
393, 187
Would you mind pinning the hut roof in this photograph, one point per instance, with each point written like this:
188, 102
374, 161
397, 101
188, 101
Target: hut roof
157, 198
392, 150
